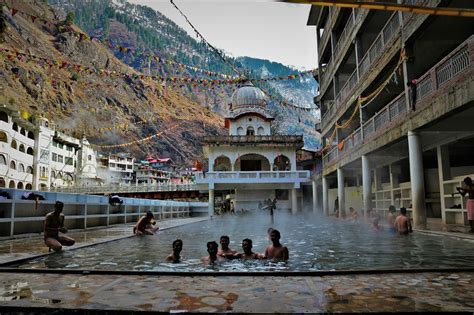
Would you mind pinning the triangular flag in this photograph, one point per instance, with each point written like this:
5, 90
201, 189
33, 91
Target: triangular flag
14, 11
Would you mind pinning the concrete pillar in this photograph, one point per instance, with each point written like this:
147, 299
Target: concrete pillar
325, 196
367, 184
294, 201
341, 193
315, 196
444, 173
417, 180
211, 203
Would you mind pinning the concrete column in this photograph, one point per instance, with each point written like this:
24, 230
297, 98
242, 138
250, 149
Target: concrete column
211, 203
444, 173
417, 180
341, 193
315, 196
325, 196
367, 184
294, 201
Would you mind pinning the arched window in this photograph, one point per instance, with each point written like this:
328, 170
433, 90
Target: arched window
21, 168
20, 185
3, 160
3, 137
3, 116
21, 148
29, 170
250, 131
2, 182
89, 157
28, 186
29, 151
260, 131
12, 184
15, 126
240, 131
23, 132
14, 145
43, 187
13, 165
31, 135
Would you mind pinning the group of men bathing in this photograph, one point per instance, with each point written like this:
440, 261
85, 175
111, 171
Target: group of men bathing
275, 251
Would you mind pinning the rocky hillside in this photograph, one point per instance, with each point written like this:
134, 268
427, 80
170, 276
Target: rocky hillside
47, 68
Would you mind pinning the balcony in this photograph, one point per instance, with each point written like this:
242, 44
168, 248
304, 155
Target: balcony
445, 74
245, 140
260, 177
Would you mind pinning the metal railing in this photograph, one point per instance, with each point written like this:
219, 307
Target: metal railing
126, 188
210, 176
444, 73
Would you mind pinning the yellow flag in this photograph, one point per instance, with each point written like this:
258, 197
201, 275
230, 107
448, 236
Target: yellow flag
25, 115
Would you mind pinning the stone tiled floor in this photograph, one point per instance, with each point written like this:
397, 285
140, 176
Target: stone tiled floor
422, 292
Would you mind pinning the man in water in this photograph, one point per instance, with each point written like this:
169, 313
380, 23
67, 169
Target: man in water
276, 251
175, 256
391, 220
145, 225
402, 223
53, 224
468, 189
213, 258
248, 254
225, 250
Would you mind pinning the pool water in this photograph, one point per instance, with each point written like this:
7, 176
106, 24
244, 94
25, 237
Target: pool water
315, 243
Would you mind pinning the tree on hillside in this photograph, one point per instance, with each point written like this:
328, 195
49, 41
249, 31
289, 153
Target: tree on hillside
69, 19
3, 24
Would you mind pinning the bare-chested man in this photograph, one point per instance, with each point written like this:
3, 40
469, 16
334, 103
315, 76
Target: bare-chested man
468, 188
402, 223
213, 258
175, 256
391, 220
248, 254
145, 225
53, 224
276, 251
225, 250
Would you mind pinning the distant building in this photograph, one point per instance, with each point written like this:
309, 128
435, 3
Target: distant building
152, 171
116, 168
251, 164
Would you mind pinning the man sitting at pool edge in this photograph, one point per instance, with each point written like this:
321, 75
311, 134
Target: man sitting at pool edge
145, 225
276, 251
53, 224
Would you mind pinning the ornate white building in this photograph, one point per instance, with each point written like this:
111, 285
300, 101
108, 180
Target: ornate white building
251, 162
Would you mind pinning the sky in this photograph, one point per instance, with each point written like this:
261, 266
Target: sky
263, 29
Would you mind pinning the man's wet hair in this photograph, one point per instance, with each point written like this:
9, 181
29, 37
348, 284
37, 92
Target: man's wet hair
59, 205
392, 208
276, 232
247, 240
403, 210
468, 181
177, 241
269, 230
212, 243
225, 236
149, 215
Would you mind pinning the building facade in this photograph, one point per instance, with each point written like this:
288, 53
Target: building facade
116, 168
251, 164
396, 96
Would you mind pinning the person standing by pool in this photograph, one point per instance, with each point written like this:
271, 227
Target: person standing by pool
402, 223
276, 251
175, 256
145, 225
225, 250
391, 220
53, 224
248, 253
469, 190
212, 249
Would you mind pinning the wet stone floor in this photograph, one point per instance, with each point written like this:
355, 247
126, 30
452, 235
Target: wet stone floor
421, 292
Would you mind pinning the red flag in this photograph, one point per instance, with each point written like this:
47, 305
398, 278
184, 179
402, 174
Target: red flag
14, 11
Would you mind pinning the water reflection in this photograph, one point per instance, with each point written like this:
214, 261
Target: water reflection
314, 242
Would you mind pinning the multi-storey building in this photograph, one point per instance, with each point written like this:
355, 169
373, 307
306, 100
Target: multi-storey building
251, 164
116, 168
152, 171
396, 96
36, 156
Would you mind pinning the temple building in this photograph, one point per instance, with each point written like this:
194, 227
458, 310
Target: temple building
396, 96
252, 164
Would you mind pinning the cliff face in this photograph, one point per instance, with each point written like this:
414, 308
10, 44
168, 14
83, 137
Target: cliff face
47, 69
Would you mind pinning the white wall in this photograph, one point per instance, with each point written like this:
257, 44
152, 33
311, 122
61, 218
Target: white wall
246, 121
353, 198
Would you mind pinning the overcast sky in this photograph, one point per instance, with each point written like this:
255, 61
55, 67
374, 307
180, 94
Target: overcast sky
261, 29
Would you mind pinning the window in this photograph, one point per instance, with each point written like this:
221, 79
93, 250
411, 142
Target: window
12, 184
29, 151
13, 165
68, 161
3, 137
60, 158
240, 131
28, 186
55, 144
23, 132
54, 157
14, 145
3, 160
20, 185
21, 148
15, 126
21, 168
129, 167
69, 148
3, 116
60, 145
2, 182
31, 135
89, 157
250, 131
29, 170
260, 131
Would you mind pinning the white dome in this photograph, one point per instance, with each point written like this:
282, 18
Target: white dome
248, 95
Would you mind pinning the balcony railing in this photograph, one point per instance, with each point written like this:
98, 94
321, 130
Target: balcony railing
444, 73
127, 188
253, 177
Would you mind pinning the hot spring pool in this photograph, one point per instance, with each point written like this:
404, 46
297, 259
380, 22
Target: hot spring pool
315, 243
